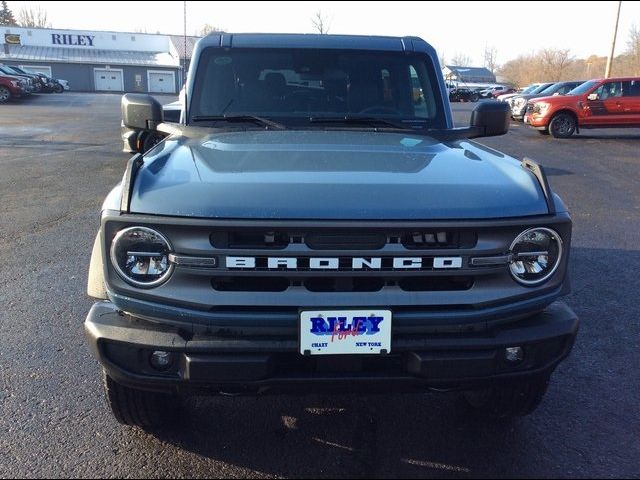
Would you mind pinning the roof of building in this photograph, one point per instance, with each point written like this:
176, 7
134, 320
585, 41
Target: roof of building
73, 55
178, 43
470, 71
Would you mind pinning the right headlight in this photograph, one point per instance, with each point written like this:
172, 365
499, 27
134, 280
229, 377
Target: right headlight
520, 102
536, 255
140, 255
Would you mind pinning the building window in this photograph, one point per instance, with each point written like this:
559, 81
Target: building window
113, 37
133, 38
29, 33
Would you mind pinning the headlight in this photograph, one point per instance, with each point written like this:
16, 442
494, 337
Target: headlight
540, 107
520, 102
536, 255
140, 255
15, 83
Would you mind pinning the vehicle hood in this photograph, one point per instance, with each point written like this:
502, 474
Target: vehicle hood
322, 174
558, 98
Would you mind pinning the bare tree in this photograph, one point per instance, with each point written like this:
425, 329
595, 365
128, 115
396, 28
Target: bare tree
461, 60
491, 58
320, 23
33, 18
633, 50
208, 28
554, 62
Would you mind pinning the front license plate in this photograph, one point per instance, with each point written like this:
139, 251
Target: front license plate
345, 332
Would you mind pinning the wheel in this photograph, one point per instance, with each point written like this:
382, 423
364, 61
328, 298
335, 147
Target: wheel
515, 399
138, 408
475, 97
562, 125
5, 94
58, 88
544, 132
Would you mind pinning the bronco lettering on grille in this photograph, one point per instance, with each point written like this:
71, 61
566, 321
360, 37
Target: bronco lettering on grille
343, 263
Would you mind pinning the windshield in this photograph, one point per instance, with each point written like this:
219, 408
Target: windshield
541, 87
584, 88
530, 88
296, 85
551, 89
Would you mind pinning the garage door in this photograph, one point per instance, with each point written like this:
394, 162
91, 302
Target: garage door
161, 82
37, 69
109, 80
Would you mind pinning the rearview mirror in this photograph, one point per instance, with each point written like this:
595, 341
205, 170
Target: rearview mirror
490, 119
141, 111
592, 96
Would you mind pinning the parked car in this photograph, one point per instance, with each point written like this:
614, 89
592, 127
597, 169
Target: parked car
538, 89
29, 85
519, 102
502, 90
528, 89
307, 227
38, 84
50, 85
601, 103
11, 87
462, 94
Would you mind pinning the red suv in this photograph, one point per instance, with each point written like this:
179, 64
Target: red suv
10, 87
604, 103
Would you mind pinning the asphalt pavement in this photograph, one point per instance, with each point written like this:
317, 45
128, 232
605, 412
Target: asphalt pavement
59, 157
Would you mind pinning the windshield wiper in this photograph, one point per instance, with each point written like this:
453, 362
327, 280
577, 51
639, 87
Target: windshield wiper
372, 121
240, 119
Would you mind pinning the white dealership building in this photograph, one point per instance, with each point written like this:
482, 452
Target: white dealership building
97, 60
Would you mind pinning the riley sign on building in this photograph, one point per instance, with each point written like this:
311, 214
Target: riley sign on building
79, 39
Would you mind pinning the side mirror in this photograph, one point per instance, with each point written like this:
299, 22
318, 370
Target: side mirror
490, 119
592, 96
140, 111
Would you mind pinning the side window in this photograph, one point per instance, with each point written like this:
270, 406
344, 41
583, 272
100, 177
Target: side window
564, 89
631, 88
609, 90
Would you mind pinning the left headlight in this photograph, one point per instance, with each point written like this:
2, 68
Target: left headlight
140, 255
536, 255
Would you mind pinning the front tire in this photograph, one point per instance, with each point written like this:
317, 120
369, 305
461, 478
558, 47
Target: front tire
515, 399
58, 88
138, 408
5, 94
562, 125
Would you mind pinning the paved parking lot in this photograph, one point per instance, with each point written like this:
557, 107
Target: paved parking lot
60, 155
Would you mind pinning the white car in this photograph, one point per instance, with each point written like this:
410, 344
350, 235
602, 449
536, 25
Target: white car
526, 90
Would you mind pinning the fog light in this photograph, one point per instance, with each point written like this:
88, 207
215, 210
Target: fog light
161, 360
514, 354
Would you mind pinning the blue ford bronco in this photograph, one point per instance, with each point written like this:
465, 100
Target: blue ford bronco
316, 223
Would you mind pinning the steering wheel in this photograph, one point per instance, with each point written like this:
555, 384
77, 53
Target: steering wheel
381, 109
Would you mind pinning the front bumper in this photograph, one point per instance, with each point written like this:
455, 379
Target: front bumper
251, 364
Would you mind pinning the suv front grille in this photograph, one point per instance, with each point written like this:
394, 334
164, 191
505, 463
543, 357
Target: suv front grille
342, 240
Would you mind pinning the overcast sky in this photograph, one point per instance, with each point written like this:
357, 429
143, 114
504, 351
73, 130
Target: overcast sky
451, 27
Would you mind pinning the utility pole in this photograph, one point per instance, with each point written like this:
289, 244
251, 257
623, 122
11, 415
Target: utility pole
607, 72
184, 65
